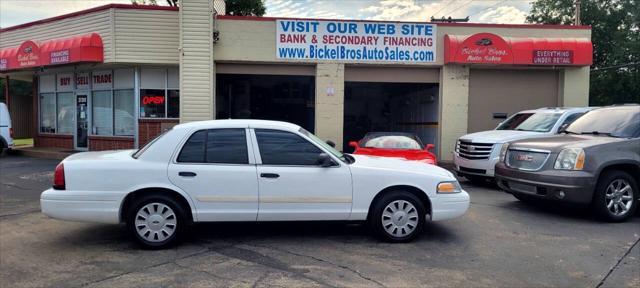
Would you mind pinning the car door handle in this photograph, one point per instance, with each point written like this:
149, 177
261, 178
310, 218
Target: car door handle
187, 174
269, 175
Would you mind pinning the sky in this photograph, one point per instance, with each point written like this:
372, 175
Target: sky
14, 12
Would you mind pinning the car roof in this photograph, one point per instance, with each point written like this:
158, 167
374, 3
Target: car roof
239, 123
559, 109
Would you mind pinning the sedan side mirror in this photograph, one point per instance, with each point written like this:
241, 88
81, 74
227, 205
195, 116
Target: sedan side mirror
429, 147
331, 143
324, 160
354, 144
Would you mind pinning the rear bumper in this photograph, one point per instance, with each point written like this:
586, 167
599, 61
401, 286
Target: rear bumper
79, 206
449, 206
577, 186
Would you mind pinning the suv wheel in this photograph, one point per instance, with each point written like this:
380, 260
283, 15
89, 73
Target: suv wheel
616, 196
398, 217
156, 221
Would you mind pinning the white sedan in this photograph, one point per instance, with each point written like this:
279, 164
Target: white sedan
248, 170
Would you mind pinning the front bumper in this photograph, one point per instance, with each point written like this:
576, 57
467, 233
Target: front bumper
449, 206
560, 185
82, 207
483, 167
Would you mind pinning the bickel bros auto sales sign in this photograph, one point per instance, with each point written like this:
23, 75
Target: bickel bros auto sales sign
355, 41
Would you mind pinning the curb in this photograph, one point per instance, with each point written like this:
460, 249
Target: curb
56, 155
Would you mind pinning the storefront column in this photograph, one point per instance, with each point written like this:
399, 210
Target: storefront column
7, 96
454, 106
329, 112
197, 70
574, 87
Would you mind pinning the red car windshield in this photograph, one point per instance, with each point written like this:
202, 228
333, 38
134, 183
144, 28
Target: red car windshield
391, 141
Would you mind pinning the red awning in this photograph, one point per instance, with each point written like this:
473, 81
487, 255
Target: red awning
487, 48
78, 49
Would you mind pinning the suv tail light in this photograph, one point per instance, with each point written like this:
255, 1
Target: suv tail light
11, 132
58, 178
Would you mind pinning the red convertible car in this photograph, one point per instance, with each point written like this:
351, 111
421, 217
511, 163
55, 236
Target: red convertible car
394, 144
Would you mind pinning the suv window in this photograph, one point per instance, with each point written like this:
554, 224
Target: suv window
223, 146
621, 121
571, 118
514, 121
285, 148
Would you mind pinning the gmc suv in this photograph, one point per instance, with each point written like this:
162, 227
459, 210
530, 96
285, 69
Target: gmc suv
596, 162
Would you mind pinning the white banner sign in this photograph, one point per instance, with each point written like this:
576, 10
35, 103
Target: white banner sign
102, 80
355, 41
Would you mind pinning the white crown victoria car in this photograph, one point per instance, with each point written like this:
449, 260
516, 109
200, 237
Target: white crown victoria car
248, 170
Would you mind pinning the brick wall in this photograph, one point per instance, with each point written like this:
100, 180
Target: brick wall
150, 128
54, 141
99, 143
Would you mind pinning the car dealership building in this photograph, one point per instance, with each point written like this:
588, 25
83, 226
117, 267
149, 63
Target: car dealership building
115, 76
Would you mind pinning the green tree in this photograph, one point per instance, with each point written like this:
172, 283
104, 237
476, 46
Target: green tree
615, 74
245, 7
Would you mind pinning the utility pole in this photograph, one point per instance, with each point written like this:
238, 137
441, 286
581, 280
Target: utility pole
577, 20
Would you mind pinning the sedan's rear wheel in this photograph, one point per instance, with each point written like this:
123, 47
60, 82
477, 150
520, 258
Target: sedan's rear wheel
156, 221
398, 216
616, 196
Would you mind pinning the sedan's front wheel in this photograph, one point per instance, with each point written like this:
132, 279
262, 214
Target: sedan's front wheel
398, 216
156, 221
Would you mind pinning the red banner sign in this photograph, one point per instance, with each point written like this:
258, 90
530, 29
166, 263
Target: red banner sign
487, 48
552, 57
84, 48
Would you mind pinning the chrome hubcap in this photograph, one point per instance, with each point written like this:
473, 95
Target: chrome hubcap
400, 218
619, 197
155, 222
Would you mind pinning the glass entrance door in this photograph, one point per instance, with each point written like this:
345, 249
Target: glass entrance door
82, 121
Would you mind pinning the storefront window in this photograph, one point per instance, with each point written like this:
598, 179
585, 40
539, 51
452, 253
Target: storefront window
173, 104
48, 113
152, 103
159, 96
123, 117
65, 112
102, 113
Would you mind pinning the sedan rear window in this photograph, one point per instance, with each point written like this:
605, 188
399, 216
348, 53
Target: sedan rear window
223, 146
137, 154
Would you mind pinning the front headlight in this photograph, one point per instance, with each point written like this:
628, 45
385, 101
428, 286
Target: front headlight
503, 151
570, 159
449, 187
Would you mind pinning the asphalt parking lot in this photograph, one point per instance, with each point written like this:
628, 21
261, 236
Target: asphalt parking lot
500, 242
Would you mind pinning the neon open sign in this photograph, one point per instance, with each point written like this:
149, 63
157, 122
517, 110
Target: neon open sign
157, 100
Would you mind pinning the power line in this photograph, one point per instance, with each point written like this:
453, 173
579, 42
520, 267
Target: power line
485, 9
456, 9
443, 6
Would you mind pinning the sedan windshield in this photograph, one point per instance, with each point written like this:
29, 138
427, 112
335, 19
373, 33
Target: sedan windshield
534, 122
391, 141
324, 145
616, 121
